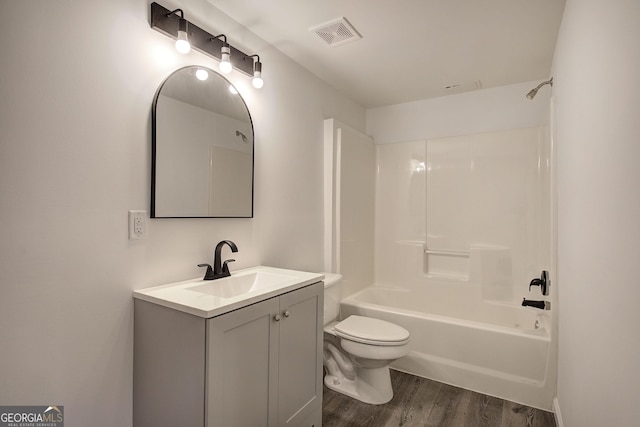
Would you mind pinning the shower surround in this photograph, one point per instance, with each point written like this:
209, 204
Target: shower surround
472, 208
461, 226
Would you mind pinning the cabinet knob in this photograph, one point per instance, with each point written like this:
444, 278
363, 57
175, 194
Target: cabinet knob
276, 317
286, 313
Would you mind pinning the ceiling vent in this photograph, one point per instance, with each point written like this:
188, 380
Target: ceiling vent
336, 32
462, 87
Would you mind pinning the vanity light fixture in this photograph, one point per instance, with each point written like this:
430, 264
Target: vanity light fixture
257, 81
182, 43
171, 24
225, 54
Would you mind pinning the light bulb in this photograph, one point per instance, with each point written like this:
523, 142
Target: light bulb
257, 81
202, 74
225, 67
225, 63
182, 44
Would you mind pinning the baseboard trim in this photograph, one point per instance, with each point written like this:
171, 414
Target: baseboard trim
556, 412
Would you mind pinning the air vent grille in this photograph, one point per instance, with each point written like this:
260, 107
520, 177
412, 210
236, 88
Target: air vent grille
336, 32
462, 87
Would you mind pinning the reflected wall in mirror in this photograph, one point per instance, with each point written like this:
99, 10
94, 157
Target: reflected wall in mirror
202, 148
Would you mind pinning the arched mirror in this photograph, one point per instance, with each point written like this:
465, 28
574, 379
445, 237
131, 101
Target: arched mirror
202, 148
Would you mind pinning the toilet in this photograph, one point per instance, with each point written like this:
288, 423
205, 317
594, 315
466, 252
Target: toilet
358, 350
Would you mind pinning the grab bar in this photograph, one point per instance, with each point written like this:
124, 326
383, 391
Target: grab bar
462, 254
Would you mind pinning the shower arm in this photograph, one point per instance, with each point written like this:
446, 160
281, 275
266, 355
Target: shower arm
533, 92
548, 82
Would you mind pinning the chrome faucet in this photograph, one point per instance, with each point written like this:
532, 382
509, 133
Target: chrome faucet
220, 269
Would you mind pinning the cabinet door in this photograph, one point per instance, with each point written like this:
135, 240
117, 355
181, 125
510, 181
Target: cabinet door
300, 355
242, 367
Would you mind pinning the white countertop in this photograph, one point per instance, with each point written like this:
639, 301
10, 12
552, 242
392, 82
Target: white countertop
203, 298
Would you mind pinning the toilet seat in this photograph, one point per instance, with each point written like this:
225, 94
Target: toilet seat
367, 330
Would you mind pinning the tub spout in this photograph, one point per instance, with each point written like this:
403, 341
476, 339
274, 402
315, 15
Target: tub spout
542, 305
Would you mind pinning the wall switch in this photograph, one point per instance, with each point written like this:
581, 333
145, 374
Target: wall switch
137, 225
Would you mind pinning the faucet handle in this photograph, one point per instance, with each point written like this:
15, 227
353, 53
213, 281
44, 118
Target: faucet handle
544, 276
535, 282
225, 267
543, 282
209, 274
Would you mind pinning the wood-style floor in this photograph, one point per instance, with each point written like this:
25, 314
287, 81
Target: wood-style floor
422, 402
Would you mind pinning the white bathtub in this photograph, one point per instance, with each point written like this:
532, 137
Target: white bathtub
456, 338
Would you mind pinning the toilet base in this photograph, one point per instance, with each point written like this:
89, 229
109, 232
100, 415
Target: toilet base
371, 385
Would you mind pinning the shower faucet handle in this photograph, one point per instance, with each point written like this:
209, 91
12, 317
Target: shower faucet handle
543, 282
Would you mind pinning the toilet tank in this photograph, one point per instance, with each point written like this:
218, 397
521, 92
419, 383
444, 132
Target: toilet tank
332, 296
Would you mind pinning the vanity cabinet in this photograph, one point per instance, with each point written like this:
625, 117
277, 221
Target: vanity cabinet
259, 365
265, 365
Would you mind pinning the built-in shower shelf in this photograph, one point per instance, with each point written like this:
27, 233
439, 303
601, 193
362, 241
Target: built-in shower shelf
458, 277
450, 264
464, 254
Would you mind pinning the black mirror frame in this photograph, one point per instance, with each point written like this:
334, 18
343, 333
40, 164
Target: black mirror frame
154, 148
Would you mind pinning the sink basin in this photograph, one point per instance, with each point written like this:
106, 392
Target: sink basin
210, 298
233, 286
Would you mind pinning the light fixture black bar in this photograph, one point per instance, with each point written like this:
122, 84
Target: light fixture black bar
164, 21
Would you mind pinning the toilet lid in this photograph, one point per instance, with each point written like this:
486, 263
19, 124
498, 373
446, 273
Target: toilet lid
371, 331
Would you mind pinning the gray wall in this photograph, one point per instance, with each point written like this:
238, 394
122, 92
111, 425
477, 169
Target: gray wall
76, 87
596, 69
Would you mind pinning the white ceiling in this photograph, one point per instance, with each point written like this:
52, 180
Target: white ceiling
410, 49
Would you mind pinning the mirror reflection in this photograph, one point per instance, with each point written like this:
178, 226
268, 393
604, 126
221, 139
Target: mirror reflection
202, 148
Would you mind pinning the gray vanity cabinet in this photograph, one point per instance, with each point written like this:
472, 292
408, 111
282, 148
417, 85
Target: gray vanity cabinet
265, 366
260, 365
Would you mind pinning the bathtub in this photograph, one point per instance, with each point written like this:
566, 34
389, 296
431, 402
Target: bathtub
502, 350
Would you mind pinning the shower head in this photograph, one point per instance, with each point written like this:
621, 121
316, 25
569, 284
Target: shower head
533, 92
